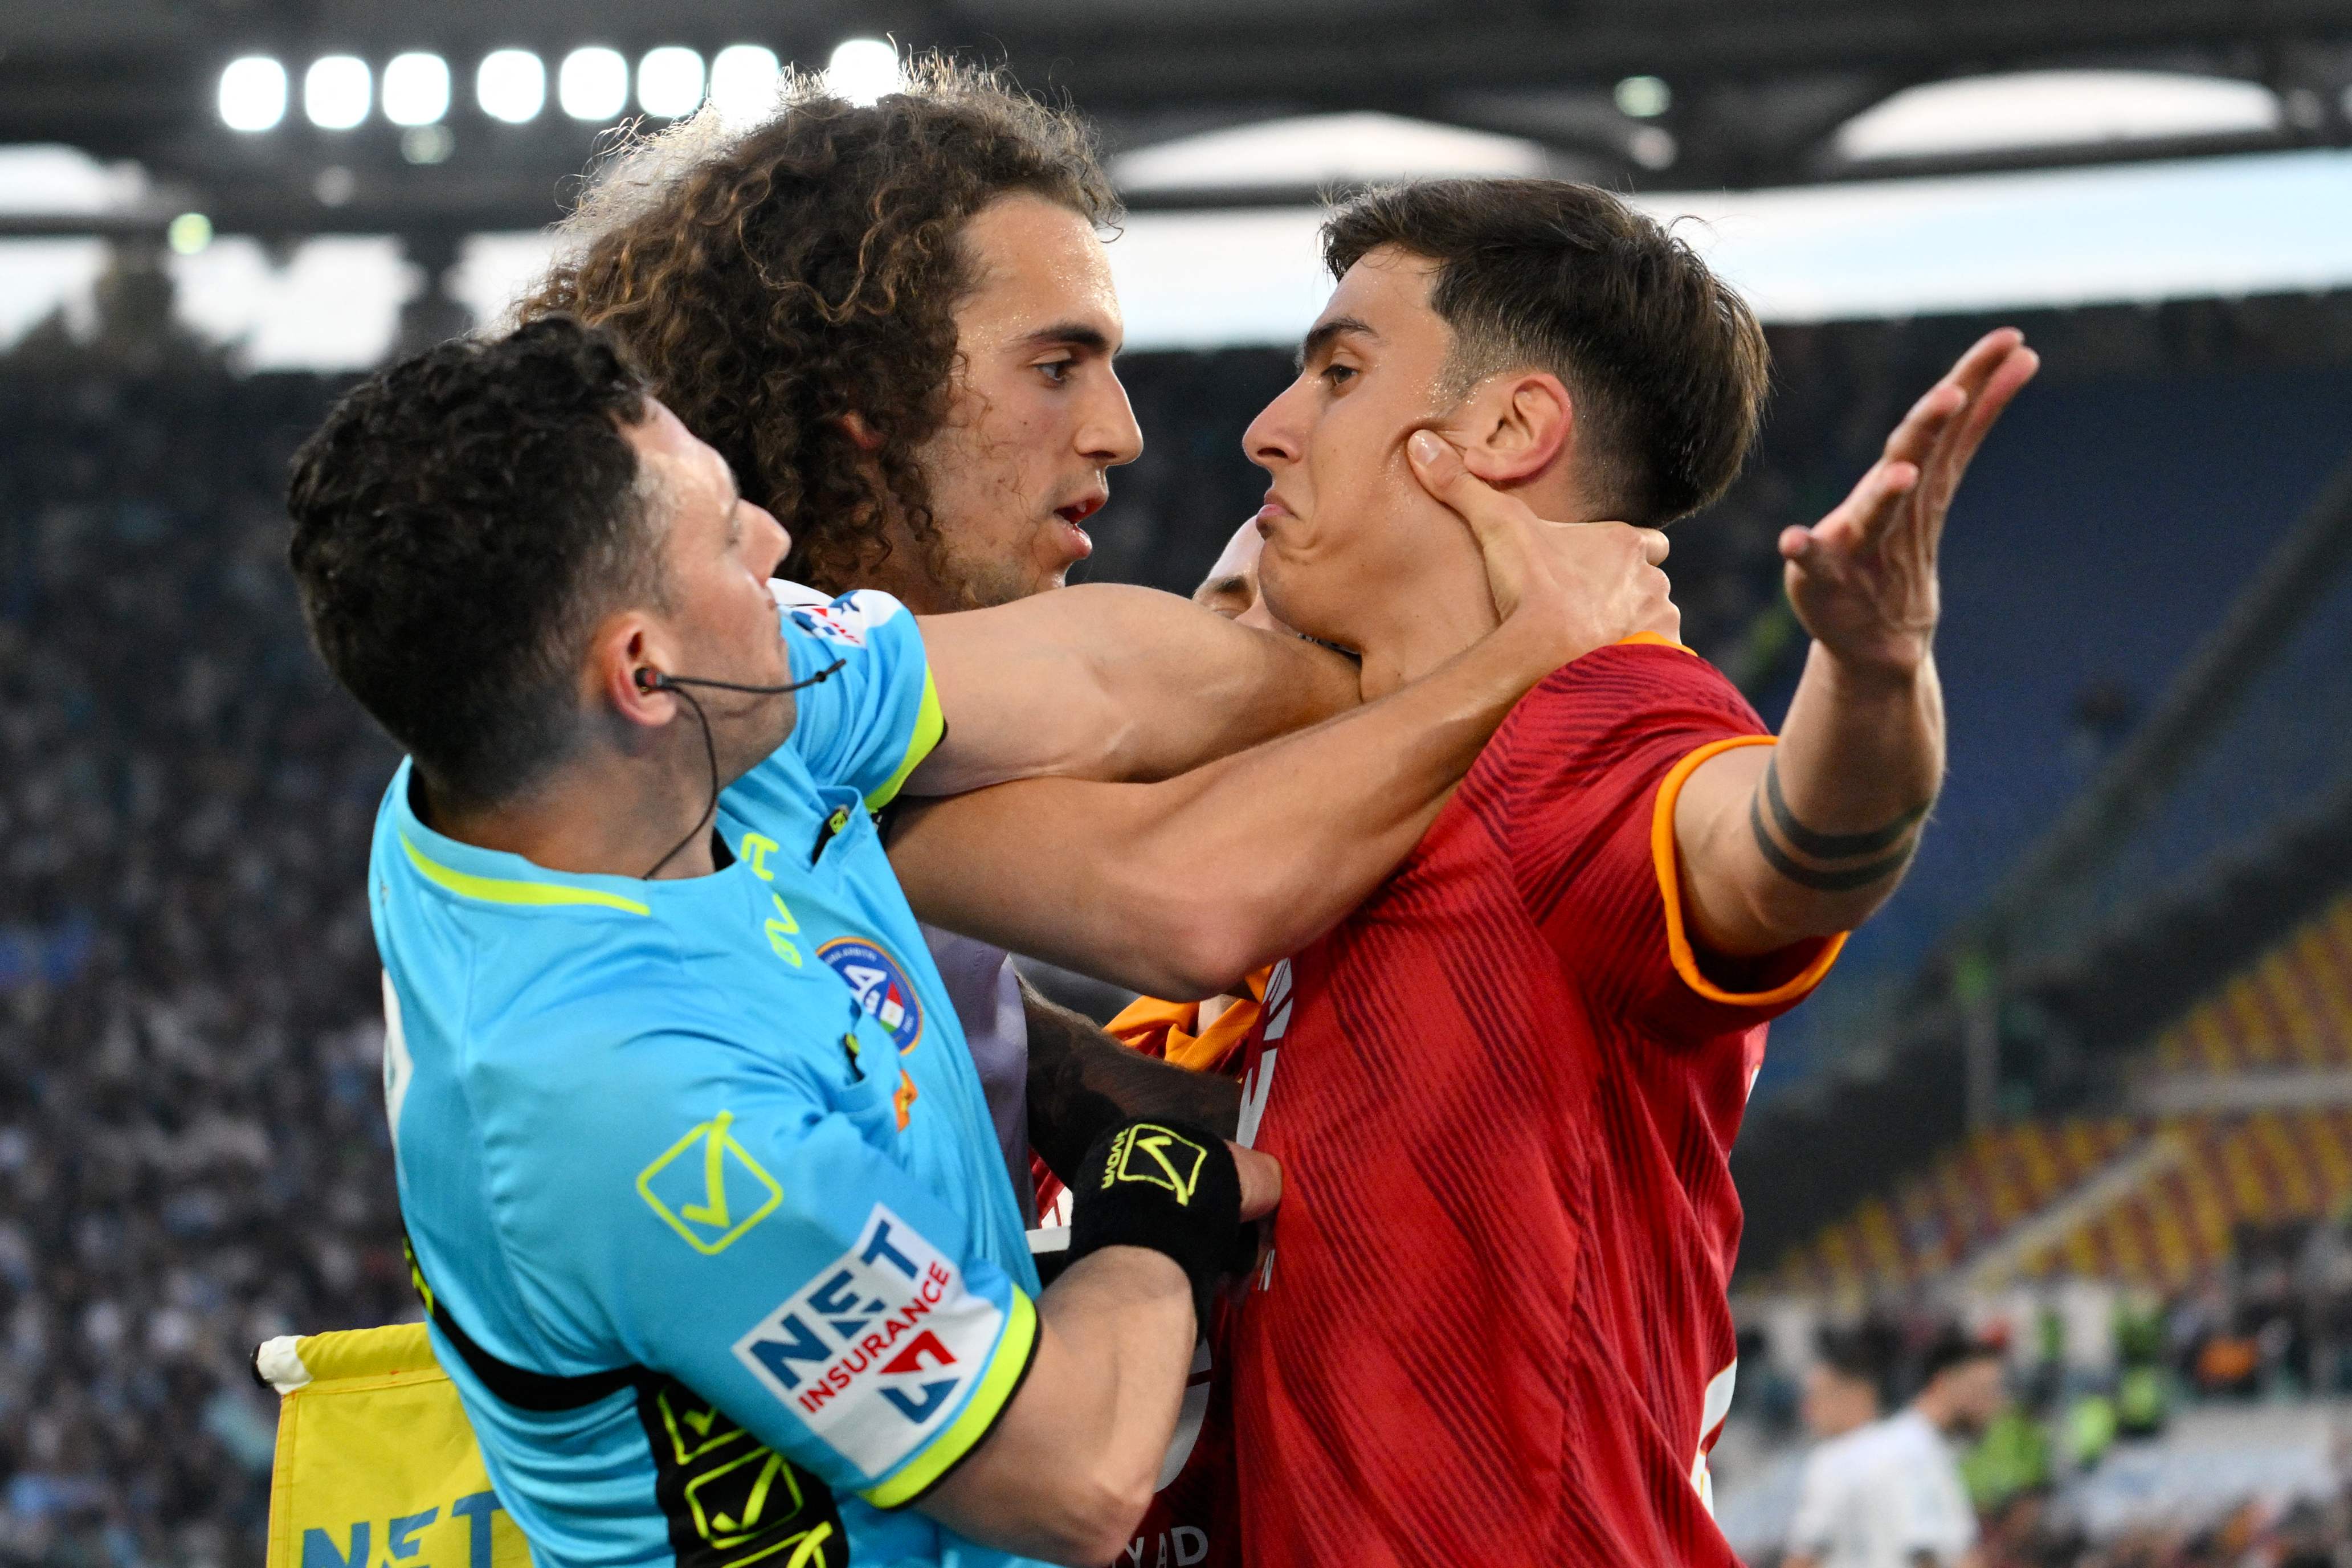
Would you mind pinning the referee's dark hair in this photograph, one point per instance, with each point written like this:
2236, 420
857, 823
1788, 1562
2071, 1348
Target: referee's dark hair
462, 520
1666, 363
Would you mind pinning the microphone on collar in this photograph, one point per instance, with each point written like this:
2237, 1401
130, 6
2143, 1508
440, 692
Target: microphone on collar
655, 681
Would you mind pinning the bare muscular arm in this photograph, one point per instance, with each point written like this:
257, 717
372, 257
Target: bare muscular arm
1098, 878
1107, 681
1809, 838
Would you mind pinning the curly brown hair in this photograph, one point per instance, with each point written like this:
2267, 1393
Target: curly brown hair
772, 280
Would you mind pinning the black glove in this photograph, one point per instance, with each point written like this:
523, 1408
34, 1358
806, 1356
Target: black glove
1171, 1186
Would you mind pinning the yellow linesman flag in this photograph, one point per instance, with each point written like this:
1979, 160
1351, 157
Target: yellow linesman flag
376, 1462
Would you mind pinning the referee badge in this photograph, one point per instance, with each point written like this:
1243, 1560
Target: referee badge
881, 985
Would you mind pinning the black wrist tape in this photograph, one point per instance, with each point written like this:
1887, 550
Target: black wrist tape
1169, 1185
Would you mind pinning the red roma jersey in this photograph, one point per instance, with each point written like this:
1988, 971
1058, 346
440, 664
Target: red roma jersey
1494, 1326
1190, 1521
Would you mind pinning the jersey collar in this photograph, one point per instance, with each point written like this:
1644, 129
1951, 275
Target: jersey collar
475, 875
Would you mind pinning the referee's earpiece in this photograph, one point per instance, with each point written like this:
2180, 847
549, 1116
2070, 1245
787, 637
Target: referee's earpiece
655, 681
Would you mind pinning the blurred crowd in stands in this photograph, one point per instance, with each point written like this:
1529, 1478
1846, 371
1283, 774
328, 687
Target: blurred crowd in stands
192, 1154
2063, 1458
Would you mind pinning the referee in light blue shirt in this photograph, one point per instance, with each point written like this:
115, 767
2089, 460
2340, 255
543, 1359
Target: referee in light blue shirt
700, 1187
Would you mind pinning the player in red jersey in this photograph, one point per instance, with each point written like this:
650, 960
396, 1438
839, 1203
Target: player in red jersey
1493, 1327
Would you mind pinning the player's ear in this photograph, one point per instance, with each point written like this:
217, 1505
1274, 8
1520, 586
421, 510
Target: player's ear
1514, 426
627, 656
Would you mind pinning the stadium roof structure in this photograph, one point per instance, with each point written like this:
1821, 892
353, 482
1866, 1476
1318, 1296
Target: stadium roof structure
1674, 94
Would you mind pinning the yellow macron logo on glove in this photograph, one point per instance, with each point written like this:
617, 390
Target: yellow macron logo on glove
1156, 1157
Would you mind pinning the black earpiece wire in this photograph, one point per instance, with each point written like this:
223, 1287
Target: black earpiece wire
655, 681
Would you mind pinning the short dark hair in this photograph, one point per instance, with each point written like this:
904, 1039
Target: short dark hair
1664, 360
1955, 1347
774, 279
461, 520
1854, 1353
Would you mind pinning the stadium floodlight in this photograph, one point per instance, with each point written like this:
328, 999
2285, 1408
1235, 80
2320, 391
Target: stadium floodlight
427, 143
189, 233
415, 88
743, 82
336, 91
593, 84
669, 82
2049, 108
512, 85
253, 93
864, 71
1644, 96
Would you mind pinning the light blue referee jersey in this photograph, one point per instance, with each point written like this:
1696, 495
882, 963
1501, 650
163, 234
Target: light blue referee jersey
720, 1139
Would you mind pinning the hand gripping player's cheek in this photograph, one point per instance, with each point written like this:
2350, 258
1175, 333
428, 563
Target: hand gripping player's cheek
1514, 1072
702, 1189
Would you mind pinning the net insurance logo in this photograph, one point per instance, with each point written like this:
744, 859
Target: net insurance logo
880, 985
871, 1355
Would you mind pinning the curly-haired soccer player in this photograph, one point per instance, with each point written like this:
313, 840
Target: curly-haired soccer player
896, 323
721, 1255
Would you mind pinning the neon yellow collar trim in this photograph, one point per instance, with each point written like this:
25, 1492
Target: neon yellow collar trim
512, 891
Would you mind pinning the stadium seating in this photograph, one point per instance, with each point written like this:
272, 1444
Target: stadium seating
191, 1144
2082, 575
2290, 1010
2174, 1220
2153, 1198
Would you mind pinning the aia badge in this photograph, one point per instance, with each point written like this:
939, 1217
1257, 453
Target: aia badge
832, 623
880, 985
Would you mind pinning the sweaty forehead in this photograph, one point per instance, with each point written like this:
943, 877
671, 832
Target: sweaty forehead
1036, 265
1388, 291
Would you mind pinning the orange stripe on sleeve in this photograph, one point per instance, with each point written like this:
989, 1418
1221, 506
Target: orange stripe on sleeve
1663, 854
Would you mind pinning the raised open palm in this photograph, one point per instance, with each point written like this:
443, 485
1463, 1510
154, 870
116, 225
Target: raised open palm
1863, 580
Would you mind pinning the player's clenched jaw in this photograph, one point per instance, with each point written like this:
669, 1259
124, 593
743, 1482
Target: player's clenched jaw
1353, 543
1570, 350
1037, 414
